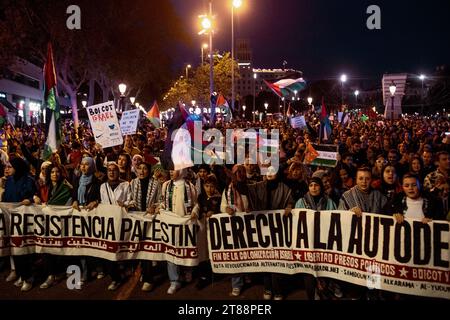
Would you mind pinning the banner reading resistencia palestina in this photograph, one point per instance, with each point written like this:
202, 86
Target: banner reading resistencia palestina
104, 124
372, 250
106, 232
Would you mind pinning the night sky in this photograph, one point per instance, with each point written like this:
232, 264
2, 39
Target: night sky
325, 38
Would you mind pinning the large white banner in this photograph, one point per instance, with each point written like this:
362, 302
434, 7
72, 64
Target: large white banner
129, 121
373, 250
107, 232
104, 124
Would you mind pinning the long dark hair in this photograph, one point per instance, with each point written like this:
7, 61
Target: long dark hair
48, 180
21, 168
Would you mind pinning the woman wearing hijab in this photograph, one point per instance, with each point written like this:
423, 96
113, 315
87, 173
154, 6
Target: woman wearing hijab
41, 185
86, 193
135, 162
144, 194
315, 199
20, 187
59, 194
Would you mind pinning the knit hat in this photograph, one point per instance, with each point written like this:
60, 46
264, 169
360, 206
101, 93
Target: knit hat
318, 181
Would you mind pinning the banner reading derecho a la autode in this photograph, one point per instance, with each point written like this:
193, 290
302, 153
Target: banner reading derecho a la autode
104, 124
373, 251
107, 232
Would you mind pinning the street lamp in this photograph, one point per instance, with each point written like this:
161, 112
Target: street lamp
343, 79
204, 46
310, 100
187, 71
122, 90
266, 105
422, 77
132, 100
392, 89
356, 97
254, 94
84, 103
243, 108
206, 24
236, 4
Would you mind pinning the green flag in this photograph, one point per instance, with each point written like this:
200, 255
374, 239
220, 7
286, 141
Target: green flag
53, 115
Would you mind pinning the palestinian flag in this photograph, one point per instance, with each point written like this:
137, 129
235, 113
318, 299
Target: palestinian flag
325, 126
324, 155
223, 105
286, 87
310, 154
153, 115
53, 115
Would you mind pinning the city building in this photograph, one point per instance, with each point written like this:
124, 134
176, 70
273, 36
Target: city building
21, 92
247, 84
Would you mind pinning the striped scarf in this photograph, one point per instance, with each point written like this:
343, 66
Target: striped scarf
234, 199
371, 202
168, 194
137, 192
309, 202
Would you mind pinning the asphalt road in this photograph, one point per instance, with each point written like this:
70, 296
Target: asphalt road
218, 289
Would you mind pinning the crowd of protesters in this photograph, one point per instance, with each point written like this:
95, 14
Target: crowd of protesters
392, 167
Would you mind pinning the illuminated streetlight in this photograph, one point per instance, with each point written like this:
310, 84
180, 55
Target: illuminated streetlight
187, 71
266, 105
206, 24
356, 97
236, 4
84, 103
343, 79
132, 100
122, 88
310, 100
392, 89
254, 94
422, 77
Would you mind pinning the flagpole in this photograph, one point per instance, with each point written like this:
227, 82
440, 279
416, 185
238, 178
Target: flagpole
211, 64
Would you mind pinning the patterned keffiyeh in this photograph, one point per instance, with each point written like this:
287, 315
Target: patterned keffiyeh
372, 202
152, 193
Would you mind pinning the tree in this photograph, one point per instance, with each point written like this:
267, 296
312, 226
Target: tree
117, 42
197, 87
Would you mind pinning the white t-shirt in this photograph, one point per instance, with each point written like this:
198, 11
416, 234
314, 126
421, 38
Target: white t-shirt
415, 208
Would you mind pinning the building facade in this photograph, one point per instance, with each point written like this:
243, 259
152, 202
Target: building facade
251, 79
21, 92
